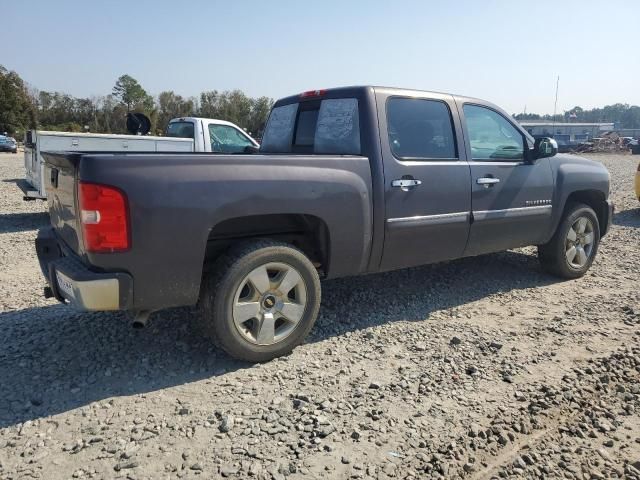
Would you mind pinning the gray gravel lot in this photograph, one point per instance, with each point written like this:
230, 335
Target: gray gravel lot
479, 368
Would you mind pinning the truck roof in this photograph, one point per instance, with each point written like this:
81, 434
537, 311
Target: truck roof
361, 91
358, 90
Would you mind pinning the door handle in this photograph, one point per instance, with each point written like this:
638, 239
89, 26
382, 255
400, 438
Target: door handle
406, 183
487, 181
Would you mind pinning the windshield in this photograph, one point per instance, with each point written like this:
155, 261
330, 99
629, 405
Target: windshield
180, 130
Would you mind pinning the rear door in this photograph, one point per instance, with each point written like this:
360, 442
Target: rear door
511, 198
427, 180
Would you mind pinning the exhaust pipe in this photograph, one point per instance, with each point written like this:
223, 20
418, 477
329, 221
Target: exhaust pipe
140, 319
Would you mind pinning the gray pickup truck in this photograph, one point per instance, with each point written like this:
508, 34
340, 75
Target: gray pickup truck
347, 181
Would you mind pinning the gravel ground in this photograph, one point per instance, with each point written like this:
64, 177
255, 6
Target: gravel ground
479, 368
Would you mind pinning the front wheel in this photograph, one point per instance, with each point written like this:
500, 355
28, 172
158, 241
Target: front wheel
261, 300
573, 247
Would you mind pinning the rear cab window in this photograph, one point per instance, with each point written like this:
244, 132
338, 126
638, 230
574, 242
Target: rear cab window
180, 130
322, 126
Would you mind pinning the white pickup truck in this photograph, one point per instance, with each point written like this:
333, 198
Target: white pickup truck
185, 134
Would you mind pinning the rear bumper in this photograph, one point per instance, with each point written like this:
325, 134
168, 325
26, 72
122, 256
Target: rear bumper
71, 281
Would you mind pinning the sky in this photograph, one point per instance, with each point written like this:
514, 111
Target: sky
507, 52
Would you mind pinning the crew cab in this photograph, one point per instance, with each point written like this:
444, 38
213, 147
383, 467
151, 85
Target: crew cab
348, 181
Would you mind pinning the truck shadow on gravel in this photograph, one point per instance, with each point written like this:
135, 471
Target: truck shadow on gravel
21, 222
627, 218
413, 294
53, 359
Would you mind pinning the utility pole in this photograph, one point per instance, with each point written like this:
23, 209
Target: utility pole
555, 105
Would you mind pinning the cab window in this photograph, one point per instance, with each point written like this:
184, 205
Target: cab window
180, 130
420, 129
329, 126
492, 137
226, 139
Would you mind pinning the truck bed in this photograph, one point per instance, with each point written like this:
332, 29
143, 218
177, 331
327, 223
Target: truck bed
179, 202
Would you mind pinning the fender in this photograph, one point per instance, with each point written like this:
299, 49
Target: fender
580, 178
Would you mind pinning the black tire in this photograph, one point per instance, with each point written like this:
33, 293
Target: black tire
218, 297
553, 255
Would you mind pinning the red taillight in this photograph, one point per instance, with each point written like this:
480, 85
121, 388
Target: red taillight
313, 93
104, 218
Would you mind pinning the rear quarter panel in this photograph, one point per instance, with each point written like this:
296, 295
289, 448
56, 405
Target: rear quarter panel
175, 200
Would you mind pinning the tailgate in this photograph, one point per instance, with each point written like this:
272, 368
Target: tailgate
60, 182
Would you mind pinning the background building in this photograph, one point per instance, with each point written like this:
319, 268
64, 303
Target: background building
568, 135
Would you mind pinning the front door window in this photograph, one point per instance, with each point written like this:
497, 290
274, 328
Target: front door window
492, 137
227, 139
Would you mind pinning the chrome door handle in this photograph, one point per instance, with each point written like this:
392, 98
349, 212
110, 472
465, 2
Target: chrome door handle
406, 183
487, 181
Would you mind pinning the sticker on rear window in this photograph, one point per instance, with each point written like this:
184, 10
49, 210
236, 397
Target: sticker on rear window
279, 130
338, 128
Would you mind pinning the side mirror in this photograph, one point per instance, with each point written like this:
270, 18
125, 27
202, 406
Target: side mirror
544, 147
251, 149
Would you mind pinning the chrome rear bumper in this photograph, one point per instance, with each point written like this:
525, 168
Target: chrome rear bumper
72, 281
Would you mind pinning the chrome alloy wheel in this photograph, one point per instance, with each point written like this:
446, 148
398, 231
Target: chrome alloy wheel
579, 243
269, 303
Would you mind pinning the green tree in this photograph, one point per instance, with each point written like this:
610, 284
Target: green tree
17, 111
106, 121
171, 106
259, 113
130, 93
234, 106
209, 104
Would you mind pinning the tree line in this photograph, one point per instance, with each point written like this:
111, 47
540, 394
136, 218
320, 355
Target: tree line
624, 115
23, 107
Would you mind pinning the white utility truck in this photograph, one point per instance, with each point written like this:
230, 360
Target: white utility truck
185, 134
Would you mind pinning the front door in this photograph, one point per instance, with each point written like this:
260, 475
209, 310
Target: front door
511, 198
427, 180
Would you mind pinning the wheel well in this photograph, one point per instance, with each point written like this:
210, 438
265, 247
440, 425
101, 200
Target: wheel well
306, 232
595, 199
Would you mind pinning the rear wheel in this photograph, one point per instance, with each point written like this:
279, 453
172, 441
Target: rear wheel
573, 247
261, 300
